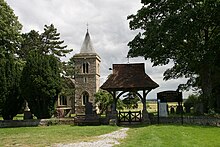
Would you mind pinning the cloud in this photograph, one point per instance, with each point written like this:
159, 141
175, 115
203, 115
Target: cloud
108, 27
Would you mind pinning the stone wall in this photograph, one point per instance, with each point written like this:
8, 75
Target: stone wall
36, 122
191, 120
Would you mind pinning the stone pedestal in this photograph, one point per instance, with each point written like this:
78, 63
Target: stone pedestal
112, 117
28, 115
145, 117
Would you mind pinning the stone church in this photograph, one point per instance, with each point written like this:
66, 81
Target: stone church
86, 80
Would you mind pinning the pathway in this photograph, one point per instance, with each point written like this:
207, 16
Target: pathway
106, 140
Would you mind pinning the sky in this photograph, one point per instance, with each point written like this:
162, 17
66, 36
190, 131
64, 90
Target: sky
108, 27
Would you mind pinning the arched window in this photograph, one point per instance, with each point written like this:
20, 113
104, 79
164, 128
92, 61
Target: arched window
85, 97
63, 100
85, 67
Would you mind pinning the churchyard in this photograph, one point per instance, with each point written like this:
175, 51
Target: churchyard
153, 135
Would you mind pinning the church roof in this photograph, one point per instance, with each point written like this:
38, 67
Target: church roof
129, 77
87, 46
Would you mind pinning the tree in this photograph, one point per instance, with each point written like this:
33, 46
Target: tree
9, 30
104, 100
131, 100
13, 101
30, 41
184, 32
48, 43
10, 67
51, 43
41, 83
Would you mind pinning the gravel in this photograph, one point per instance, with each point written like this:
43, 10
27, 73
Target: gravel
106, 140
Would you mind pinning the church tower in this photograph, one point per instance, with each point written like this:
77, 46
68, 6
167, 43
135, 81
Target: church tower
87, 76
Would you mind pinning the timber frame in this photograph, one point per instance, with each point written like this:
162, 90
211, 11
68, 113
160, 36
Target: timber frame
129, 78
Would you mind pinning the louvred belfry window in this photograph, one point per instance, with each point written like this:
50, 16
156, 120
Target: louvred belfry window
86, 67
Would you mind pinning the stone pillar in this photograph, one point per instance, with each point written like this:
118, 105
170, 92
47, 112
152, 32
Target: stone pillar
145, 117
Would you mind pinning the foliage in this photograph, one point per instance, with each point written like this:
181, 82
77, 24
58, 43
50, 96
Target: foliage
104, 100
131, 101
31, 41
191, 100
10, 67
9, 30
68, 68
184, 32
11, 100
41, 84
47, 43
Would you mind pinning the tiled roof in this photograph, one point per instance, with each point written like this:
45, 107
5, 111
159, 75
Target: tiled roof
129, 77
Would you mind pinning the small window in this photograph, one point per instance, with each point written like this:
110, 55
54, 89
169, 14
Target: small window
85, 98
63, 100
86, 67
85, 80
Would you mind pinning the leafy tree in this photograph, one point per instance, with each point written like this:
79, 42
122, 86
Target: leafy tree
51, 42
9, 30
191, 101
104, 100
31, 41
68, 68
13, 101
46, 43
131, 100
41, 83
10, 68
184, 32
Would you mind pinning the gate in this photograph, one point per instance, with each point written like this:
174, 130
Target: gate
134, 116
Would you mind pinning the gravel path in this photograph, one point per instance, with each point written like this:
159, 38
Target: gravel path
106, 140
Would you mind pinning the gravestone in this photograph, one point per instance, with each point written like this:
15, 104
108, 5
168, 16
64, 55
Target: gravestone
89, 108
163, 110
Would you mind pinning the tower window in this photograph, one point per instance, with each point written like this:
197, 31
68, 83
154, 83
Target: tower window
85, 98
85, 80
63, 100
86, 67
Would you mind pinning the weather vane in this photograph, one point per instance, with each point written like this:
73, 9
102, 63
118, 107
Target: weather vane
87, 26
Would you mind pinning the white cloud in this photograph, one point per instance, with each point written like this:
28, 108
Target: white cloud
108, 27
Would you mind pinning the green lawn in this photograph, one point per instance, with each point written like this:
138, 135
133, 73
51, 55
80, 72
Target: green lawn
47, 136
172, 136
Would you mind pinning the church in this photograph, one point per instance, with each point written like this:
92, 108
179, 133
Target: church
86, 81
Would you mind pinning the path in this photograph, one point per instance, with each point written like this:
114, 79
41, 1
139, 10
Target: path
106, 140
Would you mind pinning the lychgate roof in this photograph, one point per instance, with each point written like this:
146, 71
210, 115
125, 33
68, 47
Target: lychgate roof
129, 77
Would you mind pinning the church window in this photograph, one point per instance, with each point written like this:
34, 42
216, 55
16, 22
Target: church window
85, 67
85, 97
63, 100
85, 80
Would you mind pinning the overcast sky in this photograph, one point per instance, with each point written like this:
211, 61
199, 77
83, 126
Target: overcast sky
108, 28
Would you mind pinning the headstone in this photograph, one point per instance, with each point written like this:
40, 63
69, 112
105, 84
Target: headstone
89, 108
163, 110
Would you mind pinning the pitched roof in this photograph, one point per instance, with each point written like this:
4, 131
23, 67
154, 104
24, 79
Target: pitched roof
129, 77
87, 45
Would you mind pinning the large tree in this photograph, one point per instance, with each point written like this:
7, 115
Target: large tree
41, 83
52, 43
12, 100
47, 43
10, 69
186, 32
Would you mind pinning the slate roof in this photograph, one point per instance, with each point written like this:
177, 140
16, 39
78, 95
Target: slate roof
129, 77
87, 46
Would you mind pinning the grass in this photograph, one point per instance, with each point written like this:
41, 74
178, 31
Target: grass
172, 135
141, 136
47, 136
